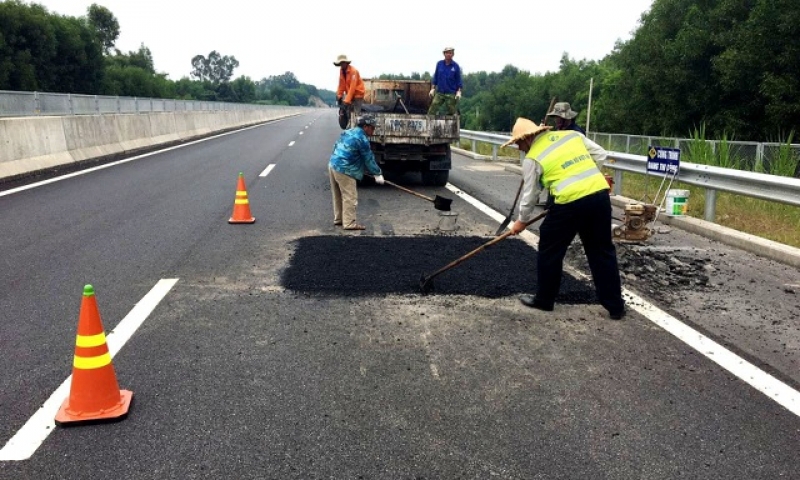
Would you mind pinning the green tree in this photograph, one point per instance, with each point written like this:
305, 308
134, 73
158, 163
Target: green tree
760, 69
77, 65
244, 89
27, 45
215, 68
47, 52
105, 24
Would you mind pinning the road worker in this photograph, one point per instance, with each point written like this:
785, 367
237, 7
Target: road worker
567, 164
565, 117
446, 84
351, 156
351, 88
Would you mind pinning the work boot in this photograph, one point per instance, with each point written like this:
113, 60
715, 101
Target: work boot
531, 301
617, 315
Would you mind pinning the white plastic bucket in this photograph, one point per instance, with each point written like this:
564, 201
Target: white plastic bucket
677, 202
447, 221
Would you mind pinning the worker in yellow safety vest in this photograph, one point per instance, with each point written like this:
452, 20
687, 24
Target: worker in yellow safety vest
568, 165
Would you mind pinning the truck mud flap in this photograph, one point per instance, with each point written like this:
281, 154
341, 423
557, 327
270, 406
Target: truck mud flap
440, 164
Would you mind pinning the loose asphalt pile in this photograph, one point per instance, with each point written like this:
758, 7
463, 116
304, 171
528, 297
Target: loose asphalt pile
345, 265
659, 271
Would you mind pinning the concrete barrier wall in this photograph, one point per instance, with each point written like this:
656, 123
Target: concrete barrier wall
32, 144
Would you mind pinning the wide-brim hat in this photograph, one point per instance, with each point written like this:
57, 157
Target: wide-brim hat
563, 110
341, 59
524, 128
448, 49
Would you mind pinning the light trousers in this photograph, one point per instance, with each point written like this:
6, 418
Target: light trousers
345, 198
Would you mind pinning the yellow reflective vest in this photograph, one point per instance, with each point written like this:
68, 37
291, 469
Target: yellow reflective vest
568, 171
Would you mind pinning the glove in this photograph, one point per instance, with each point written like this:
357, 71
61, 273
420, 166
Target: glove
338, 100
379, 179
458, 95
433, 91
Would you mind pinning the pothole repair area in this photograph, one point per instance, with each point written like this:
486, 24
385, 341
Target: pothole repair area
363, 265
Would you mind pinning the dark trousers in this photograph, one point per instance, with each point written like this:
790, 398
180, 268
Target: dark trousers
590, 219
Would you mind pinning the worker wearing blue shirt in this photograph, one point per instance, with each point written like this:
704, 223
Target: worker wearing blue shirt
446, 84
350, 158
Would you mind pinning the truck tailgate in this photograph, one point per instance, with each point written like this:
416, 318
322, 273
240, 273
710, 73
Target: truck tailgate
416, 129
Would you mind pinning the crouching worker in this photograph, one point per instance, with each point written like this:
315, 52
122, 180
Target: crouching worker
568, 164
351, 157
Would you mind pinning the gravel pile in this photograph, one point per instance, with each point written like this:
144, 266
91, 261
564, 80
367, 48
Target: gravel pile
660, 271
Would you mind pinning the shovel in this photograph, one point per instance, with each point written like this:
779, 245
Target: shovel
439, 203
426, 283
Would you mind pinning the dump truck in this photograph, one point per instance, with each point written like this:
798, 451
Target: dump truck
406, 138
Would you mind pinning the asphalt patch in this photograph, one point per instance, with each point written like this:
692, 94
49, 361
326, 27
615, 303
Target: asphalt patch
352, 266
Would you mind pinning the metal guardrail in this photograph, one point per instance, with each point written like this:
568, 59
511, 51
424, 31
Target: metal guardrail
772, 188
22, 104
752, 156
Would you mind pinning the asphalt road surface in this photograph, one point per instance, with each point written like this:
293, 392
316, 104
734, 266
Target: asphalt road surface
289, 348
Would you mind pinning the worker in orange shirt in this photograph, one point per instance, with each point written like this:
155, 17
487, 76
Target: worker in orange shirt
351, 87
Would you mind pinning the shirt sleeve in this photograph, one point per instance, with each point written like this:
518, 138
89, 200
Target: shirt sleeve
531, 188
340, 89
598, 153
369, 158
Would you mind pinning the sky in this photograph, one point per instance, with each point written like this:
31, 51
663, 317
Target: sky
379, 37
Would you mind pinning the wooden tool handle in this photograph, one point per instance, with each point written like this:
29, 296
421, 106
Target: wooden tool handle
484, 246
412, 192
552, 104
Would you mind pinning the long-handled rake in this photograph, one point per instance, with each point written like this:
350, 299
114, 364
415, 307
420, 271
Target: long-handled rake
426, 282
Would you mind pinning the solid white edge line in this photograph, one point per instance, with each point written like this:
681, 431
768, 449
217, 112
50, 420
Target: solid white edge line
267, 170
762, 381
118, 162
36, 430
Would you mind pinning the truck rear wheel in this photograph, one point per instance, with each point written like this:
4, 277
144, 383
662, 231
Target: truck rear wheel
435, 177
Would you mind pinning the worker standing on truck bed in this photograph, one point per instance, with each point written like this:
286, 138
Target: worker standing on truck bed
351, 87
351, 156
568, 164
446, 84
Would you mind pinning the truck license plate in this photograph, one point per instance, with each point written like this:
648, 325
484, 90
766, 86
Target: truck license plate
406, 125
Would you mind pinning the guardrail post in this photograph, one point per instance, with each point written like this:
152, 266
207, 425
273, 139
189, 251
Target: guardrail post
494, 152
474, 146
710, 212
69, 102
37, 107
96, 105
617, 182
758, 167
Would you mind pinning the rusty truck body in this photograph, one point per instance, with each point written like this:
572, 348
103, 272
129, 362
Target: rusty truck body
406, 138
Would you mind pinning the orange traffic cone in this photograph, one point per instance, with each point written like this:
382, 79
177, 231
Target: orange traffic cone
94, 394
241, 206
